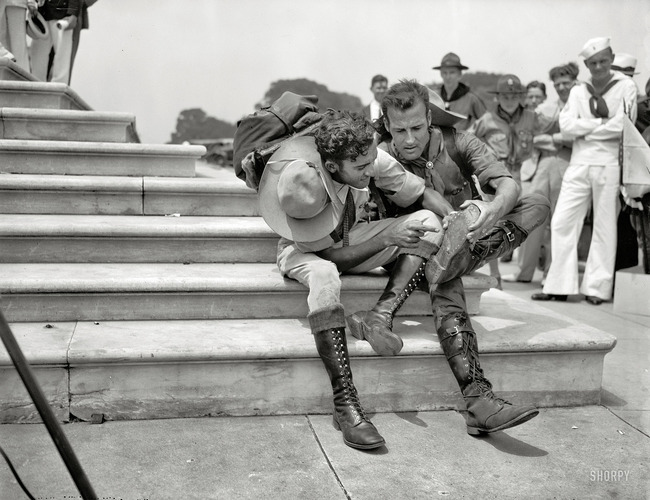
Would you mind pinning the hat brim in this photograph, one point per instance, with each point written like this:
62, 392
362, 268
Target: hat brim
443, 117
459, 66
37, 29
523, 90
300, 230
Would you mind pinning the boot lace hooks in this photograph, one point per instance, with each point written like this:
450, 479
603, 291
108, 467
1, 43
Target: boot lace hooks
410, 286
485, 389
351, 394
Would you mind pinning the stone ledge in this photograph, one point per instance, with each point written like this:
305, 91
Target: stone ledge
128, 239
115, 226
9, 70
127, 195
42, 95
176, 291
100, 148
100, 158
170, 277
163, 369
46, 348
64, 125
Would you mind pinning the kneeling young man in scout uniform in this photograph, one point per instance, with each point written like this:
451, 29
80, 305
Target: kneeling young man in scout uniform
313, 194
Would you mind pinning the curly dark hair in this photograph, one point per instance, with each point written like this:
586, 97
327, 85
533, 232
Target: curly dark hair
569, 69
343, 135
404, 95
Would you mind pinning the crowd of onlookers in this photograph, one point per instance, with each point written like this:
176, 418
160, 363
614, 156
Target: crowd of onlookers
566, 149
42, 36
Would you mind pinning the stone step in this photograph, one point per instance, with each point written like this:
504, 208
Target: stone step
127, 238
170, 369
36, 94
164, 291
631, 291
114, 195
199, 197
9, 70
97, 158
66, 125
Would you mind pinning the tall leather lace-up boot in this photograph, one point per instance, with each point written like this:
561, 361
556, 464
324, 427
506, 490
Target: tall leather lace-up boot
503, 238
349, 416
484, 411
376, 325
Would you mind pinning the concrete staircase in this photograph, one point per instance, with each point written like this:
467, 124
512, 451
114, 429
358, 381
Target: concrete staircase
138, 290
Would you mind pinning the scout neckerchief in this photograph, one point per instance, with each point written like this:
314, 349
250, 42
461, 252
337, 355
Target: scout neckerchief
512, 121
458, 92
597, 103
424, 165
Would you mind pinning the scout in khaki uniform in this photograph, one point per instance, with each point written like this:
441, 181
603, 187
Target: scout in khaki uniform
313, 194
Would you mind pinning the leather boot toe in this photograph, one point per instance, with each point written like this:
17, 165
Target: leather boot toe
360, 434
487, 413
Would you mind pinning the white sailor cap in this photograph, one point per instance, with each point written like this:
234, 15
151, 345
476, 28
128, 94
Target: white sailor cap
595, 45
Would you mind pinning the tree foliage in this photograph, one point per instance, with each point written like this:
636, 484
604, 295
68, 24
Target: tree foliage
195, 124
326, 98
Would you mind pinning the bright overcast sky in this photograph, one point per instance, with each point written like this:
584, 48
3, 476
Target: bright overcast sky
155, 58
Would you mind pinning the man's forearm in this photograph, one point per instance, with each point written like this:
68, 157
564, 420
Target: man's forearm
351, 256
506, 194
434, 201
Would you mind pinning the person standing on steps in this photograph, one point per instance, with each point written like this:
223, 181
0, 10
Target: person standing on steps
62, 17
421, 137
313, 194
593, 117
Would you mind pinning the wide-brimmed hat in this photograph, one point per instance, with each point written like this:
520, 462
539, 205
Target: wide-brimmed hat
625, 63
37, 27
297, 196
509, 84
450, 60
440, 115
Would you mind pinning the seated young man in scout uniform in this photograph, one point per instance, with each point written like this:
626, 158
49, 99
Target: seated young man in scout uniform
418, 132
312, 193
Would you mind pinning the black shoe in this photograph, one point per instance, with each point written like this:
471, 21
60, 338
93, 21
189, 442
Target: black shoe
548, 296
594, 301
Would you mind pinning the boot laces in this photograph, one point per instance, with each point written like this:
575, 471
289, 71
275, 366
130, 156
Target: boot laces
351, 395
406, 292
485, 389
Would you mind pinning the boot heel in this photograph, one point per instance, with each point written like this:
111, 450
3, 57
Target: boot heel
356, 326
335, 423
473, 431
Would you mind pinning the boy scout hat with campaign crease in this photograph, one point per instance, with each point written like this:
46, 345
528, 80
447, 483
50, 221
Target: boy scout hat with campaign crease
509, 84
297, 196
450, 60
